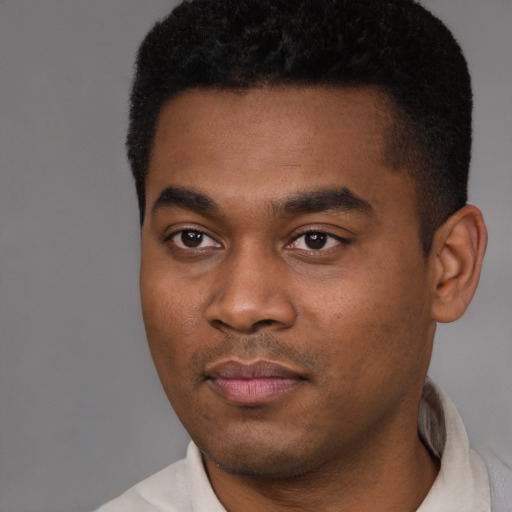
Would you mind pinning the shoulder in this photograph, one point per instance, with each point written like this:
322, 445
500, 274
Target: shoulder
181, 487
500, 480
165, 491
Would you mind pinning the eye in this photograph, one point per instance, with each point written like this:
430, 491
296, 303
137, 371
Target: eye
316, 241
192, 239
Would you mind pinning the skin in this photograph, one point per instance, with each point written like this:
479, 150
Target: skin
353, 320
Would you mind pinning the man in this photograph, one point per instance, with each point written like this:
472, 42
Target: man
301, 170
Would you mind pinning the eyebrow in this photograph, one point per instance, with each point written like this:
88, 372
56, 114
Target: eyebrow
340, 200
184, 198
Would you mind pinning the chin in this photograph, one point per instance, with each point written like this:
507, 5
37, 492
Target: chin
271, 458
275, 466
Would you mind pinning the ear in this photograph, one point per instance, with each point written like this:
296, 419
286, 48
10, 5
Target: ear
458, 250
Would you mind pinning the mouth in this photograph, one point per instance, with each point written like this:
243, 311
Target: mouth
252, 383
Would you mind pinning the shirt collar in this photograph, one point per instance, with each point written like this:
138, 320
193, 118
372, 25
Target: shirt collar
462, 484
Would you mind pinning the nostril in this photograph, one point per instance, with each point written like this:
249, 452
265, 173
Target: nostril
219, 324
264, 322
260, 324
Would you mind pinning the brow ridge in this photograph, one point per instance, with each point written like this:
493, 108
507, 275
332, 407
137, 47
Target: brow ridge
336, 200
341, 200
184, 198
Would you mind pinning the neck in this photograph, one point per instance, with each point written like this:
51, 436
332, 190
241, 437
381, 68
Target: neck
391, 472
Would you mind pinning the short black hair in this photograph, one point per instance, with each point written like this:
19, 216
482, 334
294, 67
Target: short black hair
395, 46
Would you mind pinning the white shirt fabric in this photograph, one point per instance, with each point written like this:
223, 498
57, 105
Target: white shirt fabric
462, 484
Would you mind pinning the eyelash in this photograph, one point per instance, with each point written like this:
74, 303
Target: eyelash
341, 240
169, 238
328, 236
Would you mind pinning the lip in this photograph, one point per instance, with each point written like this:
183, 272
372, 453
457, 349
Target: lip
252, 383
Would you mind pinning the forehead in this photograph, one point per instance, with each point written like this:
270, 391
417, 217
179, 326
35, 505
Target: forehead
268, 142
282, 117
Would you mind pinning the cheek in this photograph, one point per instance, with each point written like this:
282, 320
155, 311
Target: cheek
172, 315
376, 317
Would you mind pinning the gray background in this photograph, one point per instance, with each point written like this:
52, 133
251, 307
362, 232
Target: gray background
82, 415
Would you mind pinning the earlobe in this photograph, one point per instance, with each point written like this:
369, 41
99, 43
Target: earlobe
458, 251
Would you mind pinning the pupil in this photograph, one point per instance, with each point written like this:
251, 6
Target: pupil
191, 238
315, 240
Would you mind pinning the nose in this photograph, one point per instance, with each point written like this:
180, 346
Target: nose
251, 294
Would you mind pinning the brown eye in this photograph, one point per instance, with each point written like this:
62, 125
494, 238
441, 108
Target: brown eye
193, 239
315, 240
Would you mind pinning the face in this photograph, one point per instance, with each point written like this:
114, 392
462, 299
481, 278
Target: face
285, 295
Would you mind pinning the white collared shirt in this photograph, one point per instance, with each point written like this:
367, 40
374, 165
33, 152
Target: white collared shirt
462, 484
